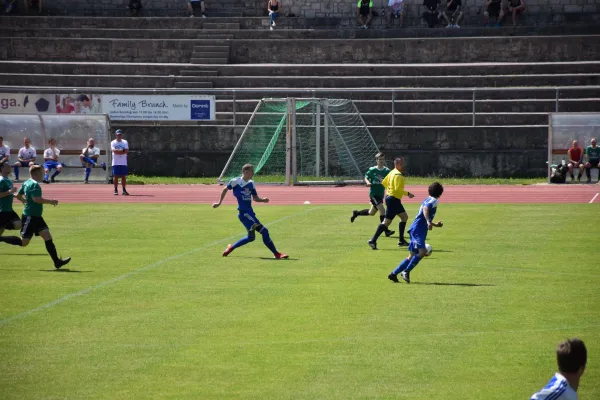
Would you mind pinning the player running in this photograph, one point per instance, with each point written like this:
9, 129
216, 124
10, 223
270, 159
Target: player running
373, 179
33, 223
9, 219
394, 184
418, 233
244, 191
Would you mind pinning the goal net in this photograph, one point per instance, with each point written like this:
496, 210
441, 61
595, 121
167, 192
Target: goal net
564, 128
304, 141
71, 132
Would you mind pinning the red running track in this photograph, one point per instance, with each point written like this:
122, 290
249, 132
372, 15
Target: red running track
208, 194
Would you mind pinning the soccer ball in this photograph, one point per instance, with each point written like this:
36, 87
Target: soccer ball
428, 249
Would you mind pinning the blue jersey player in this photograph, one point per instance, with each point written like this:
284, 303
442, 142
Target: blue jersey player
422, 224
244, 191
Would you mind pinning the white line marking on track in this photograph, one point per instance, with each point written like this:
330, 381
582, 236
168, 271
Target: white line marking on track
594, 198
135, 272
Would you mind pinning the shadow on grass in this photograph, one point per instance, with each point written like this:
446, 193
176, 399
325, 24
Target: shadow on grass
26, 254
451, 284
264, 258
63, 270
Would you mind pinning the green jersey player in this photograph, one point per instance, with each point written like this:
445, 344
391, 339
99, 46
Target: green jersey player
373, 179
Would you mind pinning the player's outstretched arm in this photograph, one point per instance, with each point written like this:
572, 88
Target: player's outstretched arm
41, 200
260, 199
223, 194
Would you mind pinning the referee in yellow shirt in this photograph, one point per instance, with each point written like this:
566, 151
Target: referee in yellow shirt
394, 185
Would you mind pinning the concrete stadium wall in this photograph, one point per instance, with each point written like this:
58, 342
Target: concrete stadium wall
464, 151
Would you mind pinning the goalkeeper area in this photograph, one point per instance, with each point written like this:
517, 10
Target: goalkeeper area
564, 128
304, 141
71, 132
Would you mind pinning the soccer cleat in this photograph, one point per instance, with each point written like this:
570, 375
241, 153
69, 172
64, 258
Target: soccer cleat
103, 166
393, 278
372, 244
271, 28
406, 276
52, 180
125, 193
228, 250
354, 215
281, 256
402, 243
389, 233
456, 26
85, 181
45, 181
116, 192
60, 263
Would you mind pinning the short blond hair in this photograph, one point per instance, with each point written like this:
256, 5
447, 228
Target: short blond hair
34, 169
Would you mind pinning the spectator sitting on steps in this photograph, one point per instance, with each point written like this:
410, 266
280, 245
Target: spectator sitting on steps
453, 13
364, 13
193, 5
135, 6
493, 9
273, 9
516, 7
575, 156
31, 3
433, 13
8, 5
396, 9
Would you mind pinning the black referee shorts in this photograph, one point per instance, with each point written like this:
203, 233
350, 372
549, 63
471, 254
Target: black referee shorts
393, 207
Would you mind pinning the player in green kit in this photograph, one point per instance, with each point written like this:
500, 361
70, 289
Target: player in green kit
9, 219
33, 223
373, 179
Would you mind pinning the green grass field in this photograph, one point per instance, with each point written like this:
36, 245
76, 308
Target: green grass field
150, 309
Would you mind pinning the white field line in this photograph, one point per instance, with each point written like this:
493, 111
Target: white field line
594, 198
134, 272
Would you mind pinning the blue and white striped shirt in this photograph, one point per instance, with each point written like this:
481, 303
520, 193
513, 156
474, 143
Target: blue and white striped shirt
557, 389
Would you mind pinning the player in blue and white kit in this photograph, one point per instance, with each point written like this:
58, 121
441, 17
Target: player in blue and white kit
571, 356
244, 191
418, 233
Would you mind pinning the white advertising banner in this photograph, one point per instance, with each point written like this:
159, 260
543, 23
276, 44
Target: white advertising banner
159, 107
27, 103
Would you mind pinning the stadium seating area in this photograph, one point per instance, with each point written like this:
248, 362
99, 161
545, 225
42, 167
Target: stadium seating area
454, 126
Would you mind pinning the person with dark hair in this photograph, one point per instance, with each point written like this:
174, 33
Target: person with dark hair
571, 357
394, 184
422, 224
135, 6
9, 219
373, 178
244, 191
26, 157
433, 13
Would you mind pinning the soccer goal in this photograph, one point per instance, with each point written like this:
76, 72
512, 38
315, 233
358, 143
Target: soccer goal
304, 141
71, 132
564, 128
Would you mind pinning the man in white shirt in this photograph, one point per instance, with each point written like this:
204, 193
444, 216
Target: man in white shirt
4, 152
396, 8
120, 149
26, 157
89, 158
51, 155
571, 356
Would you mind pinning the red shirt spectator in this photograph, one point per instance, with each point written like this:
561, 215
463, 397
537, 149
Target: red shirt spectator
575, 161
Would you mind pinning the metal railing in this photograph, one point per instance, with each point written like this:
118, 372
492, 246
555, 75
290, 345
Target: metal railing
233, 95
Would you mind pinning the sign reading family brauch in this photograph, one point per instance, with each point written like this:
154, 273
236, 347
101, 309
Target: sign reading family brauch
159, 107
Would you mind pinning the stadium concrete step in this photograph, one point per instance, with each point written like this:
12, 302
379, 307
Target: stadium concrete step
202, 60
408, 81
221, 25
119, 81
193, 84
212, 48
118, 33
198, 72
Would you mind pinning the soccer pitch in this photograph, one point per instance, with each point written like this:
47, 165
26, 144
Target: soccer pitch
148, 308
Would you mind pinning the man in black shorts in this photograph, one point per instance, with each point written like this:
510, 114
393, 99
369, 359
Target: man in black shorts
432, 15
453, 13
33, 223
9, 219
493, 9
364, 13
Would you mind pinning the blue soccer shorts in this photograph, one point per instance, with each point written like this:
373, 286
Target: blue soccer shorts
248, 219
51, 165
417, 240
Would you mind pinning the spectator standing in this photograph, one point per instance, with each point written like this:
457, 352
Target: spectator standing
120, 149
273, 8
592, 155
571, 357
453, 13
194, 5
493, 9
396, 9
575, 156
364, 13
